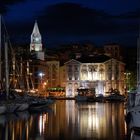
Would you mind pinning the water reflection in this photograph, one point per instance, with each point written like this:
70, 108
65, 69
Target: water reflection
101, 121
66, 120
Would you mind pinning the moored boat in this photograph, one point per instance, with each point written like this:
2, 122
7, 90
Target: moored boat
100, 98
132, 117
115, 97
84, 95
22, 106
133, 103
8, 103
11, 107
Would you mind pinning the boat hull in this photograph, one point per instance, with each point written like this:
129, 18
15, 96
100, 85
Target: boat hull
23, 107
117, 98
2, 109
133, 117
10, 108
81, 98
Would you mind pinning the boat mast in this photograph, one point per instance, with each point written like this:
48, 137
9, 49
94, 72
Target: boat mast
137, 98
6, 68
138, 64
0, 50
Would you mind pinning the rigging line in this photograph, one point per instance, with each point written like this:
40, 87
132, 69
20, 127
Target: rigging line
12, 50
7, 35
10, 44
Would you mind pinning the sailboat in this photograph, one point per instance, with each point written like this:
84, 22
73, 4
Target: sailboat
19, 102
7, 105
133, 103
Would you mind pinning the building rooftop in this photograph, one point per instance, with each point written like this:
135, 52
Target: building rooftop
93, 59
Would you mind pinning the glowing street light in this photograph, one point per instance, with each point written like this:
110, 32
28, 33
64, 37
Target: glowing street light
41, 75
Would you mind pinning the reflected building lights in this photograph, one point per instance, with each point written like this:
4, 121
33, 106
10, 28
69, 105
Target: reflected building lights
95, 121
71, 121
42, 122
13, 134
27, 131
70, 111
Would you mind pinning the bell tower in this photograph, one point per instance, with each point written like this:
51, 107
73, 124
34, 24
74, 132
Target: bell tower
36, 41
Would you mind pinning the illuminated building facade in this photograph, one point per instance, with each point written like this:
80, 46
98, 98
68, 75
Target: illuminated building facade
45, 74
38, 70
52, 74
100, 72
94, 71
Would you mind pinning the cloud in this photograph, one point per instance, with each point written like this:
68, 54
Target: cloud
5, 3
130, 15
72, 22
74, 19
69, 18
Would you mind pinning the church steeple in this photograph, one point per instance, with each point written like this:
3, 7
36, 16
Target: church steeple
36, 40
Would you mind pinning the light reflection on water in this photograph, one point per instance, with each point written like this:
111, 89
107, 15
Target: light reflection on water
66, 120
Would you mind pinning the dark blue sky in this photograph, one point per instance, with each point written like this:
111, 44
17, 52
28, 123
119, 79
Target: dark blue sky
73, 21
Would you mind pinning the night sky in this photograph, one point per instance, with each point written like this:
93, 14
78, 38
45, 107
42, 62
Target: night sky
73, 21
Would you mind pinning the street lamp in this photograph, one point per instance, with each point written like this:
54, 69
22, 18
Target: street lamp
127, 79
41, 76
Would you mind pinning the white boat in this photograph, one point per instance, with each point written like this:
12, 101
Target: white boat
100, 98
133, 103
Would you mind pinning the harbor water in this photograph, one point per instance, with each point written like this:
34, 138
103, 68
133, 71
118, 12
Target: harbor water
67, 120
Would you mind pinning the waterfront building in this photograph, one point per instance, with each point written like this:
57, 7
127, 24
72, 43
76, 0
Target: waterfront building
100, 73
38, 72
45, 74
52, 74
